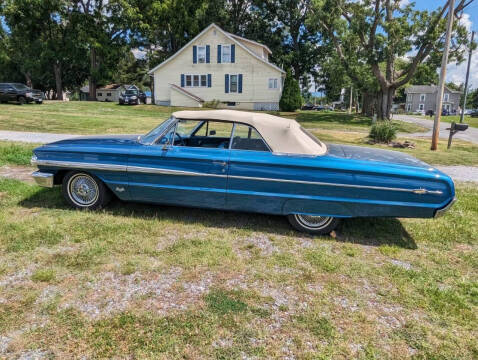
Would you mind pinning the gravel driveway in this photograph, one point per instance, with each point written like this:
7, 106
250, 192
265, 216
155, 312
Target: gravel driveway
471, 134
33, 137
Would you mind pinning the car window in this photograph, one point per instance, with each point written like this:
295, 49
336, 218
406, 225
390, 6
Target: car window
150, 137
247, 138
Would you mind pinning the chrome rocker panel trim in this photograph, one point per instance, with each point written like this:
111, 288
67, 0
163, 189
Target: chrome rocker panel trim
43, 179
139, 169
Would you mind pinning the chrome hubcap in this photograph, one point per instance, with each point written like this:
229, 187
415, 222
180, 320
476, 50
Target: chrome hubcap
83, 190
314, 222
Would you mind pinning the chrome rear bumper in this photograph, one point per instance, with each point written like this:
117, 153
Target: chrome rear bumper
441, 211
43, 179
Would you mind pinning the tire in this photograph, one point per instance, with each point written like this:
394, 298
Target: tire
316, 225
21, 100
84, 191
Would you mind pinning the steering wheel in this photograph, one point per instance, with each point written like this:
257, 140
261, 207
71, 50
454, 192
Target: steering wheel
181, 140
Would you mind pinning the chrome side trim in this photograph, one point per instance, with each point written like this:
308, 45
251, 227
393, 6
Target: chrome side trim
160, 171
442, 211
79, 165
150, 170
420, 191
43, 179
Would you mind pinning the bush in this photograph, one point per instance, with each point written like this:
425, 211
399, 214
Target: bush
213, 104
383, 132
291, 99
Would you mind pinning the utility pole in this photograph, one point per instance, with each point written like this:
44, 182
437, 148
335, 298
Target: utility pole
441, 86
467, 77
351, 99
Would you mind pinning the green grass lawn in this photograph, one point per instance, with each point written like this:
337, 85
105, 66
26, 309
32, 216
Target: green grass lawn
81, 117
149, 282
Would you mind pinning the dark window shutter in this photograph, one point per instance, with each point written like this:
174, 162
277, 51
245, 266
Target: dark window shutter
182, 80
227, 83
219, 53
239, 85
209, 80
208, 54
195, 54
233, 53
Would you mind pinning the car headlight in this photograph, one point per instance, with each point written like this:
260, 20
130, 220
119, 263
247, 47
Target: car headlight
28, 94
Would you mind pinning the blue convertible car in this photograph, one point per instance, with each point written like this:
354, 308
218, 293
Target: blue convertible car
244, 161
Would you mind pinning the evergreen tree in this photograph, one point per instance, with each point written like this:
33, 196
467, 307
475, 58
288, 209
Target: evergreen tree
291, 99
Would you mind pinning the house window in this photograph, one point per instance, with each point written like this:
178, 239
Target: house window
195, 80
421, 106
226, 53
273, 84
446, 97
100, 94
233, 84
201, 54
410, 97
108, 94
422, 97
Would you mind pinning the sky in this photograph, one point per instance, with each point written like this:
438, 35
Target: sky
457, 73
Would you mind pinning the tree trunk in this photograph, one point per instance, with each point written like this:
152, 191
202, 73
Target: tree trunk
368, 103
384, 103
28, 80
92, 77
58, 81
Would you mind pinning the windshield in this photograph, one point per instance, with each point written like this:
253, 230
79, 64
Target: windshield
131, 92
150, 137
20, 87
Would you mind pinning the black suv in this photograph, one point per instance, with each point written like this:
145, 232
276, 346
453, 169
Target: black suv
19, 93
132, 96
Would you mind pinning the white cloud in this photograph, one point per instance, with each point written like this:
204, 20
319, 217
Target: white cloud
404, 3
465, 21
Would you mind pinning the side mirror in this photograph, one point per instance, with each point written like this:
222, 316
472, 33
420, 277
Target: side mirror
212, 132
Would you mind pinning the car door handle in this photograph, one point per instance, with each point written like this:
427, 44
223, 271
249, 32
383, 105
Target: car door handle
221, 163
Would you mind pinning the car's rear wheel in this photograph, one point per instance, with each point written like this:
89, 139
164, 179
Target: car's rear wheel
21, 100
317, 225
85, 191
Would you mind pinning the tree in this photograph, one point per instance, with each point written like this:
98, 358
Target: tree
291, 99
378, 32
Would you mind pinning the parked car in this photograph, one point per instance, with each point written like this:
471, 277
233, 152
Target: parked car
474, 114
430, 113
445, 112
420, 112
132, 97
19, 93
308, 107
244, 161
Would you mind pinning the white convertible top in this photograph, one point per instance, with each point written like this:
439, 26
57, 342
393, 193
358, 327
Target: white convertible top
282, 135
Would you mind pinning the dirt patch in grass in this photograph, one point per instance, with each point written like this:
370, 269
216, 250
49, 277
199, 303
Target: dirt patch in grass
22, 173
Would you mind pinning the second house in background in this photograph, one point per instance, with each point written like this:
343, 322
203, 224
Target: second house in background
219, 66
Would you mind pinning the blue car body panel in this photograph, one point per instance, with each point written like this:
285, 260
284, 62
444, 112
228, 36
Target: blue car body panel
348, 181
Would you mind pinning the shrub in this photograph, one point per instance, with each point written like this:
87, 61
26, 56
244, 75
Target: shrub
291, 99
213, 104
383, 132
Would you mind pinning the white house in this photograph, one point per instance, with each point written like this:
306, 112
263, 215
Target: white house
219, 66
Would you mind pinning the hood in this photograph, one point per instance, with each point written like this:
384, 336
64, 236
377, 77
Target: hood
376, 155
98, 140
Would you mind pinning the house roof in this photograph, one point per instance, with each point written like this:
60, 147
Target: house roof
250, 41
111, 87
187, 93
426, 89
226, 34
282, 135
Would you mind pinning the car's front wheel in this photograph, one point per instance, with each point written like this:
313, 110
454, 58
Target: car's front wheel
22, 100
317, 225
85, 191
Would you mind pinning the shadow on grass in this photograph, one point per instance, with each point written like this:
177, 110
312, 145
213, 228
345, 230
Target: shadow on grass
340, 118
365, 231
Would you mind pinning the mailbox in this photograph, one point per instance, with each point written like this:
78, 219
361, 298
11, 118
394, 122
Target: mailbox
454, 128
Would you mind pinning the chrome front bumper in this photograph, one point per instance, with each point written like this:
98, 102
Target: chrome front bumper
441, 211
43, 179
